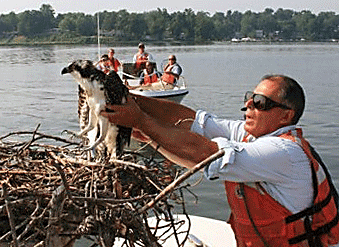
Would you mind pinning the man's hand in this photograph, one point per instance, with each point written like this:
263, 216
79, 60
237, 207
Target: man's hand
140, 136
127, 115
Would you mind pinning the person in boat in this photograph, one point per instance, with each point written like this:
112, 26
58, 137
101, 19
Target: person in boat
104, 64
149, 75
279, 191
141, 57
113, 62
172, 71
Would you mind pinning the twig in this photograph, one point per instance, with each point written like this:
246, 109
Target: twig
111, 200
10, 215
182, 178
29, 142
62, 174
40, 136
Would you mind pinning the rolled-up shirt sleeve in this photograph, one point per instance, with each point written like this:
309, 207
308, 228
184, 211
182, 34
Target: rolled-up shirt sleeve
262, 160
212, 171
222, 132
211, 127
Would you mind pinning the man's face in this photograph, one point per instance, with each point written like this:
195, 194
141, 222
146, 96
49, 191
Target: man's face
105, 62
260, 122
171, 60
149, 67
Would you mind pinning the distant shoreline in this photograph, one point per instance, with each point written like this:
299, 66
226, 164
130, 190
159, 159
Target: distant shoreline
158, 43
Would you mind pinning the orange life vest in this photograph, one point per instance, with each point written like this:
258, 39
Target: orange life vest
149, 79
259, 220
114, 63
141, 59
168, 77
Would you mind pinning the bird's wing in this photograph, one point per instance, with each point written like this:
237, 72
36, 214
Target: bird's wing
83, 108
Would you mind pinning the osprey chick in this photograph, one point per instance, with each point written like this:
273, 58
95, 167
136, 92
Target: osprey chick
95, 90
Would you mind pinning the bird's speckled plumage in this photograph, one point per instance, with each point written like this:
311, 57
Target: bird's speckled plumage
95, 90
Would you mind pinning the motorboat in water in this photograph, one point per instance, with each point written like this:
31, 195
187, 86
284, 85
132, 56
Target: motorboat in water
130, 76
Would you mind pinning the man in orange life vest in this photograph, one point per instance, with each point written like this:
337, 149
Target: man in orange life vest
114, 63
280, 193
172, 71
149, 75
141, 57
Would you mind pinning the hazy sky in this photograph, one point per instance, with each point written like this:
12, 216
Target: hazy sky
212, 6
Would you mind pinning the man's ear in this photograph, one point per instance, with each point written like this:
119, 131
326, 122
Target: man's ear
287, 116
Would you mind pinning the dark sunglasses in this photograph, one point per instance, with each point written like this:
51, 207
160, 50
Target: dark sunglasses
261, 102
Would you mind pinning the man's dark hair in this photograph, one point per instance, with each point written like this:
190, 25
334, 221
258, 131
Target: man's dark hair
291, 94
104, 57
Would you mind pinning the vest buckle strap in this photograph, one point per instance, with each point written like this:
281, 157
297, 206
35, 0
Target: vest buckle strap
309, 211
314, 234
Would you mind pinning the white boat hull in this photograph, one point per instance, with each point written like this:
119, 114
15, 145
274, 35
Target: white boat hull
204, 232
176, 94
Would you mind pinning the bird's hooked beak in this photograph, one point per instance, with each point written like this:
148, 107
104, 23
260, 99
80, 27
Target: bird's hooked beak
65, 70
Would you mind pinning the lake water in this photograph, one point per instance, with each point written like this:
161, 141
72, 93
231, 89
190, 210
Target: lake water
32, 91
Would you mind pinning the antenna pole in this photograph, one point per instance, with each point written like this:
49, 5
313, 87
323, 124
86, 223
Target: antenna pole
98, 25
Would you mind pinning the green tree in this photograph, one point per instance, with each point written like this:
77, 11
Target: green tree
130, 26
122, 24
176, 25
305, 24
327, 24
284, 14
157, 22
181, 25
220, 25
79, 23
189, 24
86, 25
267, 22
138, 26
69, 22
47, 16
3, 26
249, 23
31, 23
9, 22
204, 27
233, 23
286, 24
107, 20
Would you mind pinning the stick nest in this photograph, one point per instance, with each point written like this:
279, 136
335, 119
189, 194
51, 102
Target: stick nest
52, 195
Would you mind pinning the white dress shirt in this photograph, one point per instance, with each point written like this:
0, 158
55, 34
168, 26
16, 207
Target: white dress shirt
280, 165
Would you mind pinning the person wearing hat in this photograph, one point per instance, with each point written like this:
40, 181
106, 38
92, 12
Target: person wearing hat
141, 57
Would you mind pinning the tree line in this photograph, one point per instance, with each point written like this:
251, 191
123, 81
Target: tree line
159, 25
